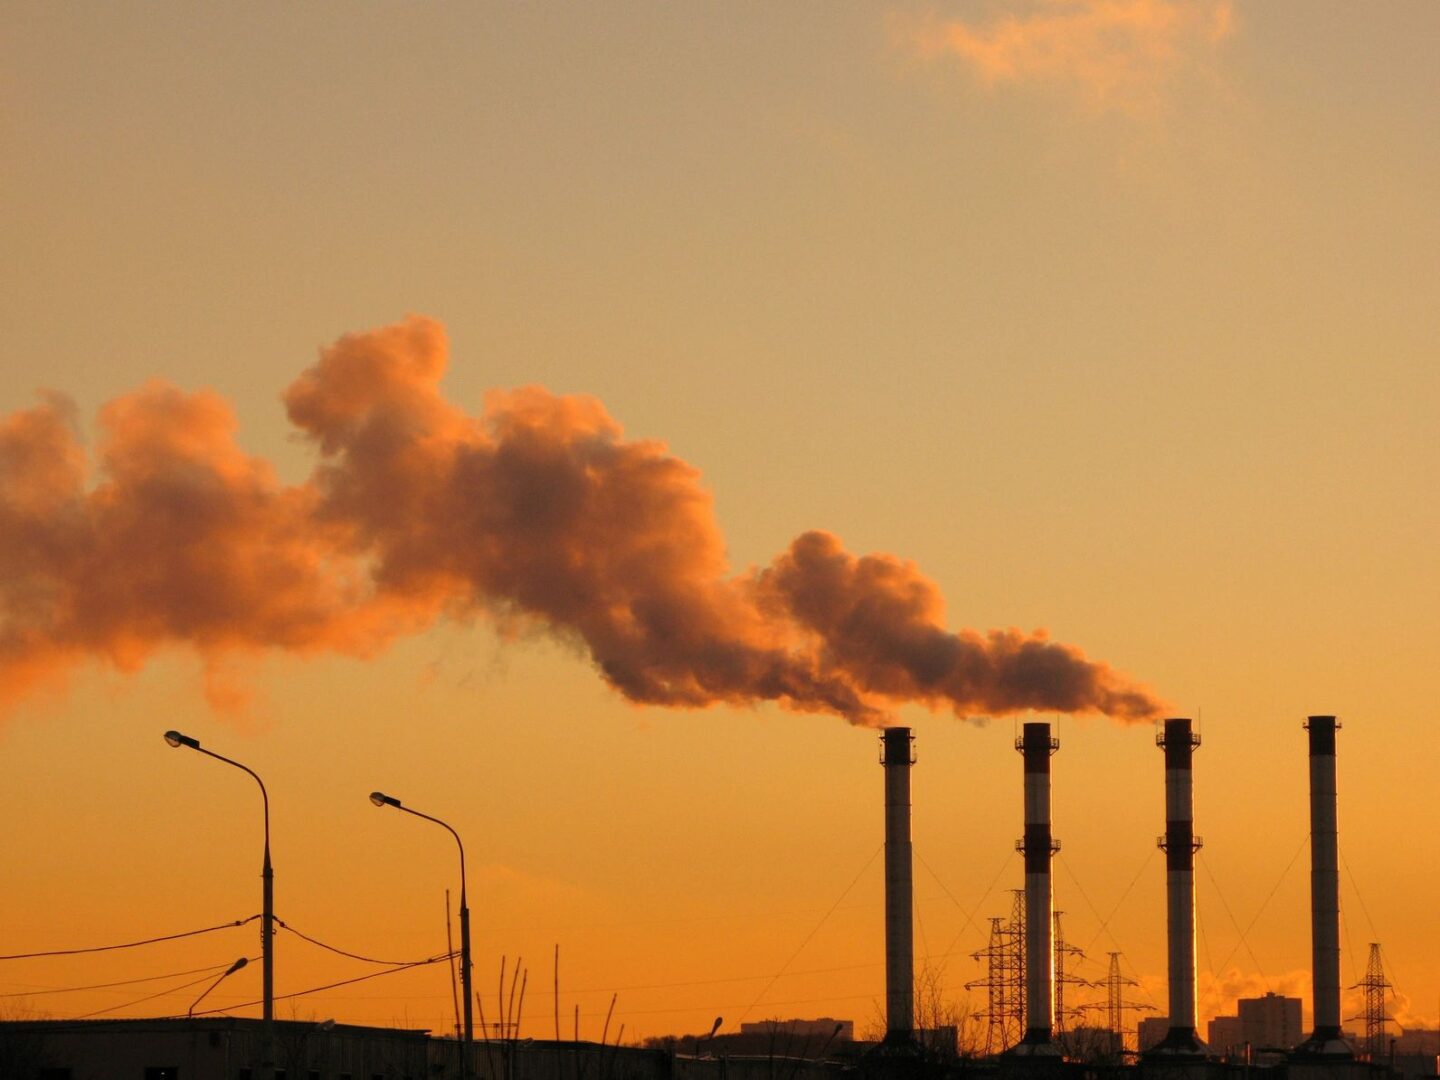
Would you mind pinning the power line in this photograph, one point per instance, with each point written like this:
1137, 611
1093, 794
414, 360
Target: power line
1244, 934
130, 944
107, 986
970, 916
749, 915
825, 918
1356, 886
148, 997
1105, 920
328, 986
353, 956
713, 982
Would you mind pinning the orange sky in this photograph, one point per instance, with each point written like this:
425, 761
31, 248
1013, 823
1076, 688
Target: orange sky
1118, 320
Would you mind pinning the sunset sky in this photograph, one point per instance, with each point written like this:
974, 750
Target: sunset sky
1115, 319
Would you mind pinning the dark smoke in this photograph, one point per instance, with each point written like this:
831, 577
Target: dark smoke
538, 509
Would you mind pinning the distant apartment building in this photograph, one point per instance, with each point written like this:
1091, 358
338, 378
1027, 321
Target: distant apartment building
1225, 1035
1151, 1031
1418, 1040
1271, 1022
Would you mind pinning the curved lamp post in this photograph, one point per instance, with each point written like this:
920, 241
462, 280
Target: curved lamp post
236, 966
267, 876
699, 1048
379, 798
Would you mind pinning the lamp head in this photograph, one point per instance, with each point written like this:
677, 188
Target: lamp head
379, 798
174, 738
237, 965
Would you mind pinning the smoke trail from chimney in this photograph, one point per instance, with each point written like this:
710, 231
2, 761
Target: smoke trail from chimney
535, 512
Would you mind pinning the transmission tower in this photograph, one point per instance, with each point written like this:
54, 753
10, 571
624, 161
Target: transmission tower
994, 987
1015, 967
1064, 952
1375, 985
1115, 1003
1004, 979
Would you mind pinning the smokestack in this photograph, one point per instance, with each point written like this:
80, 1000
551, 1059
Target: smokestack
1326, 1040
1180, 844
1036, 745
897, 754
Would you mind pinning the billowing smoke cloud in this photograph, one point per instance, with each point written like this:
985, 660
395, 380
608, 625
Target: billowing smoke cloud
538, 510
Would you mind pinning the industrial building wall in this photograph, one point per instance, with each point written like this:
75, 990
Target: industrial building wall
533, 1059
207, 1050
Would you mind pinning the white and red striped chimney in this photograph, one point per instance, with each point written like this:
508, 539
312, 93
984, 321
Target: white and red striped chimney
1326, 1040
1180, 843
1036, 745
898, 756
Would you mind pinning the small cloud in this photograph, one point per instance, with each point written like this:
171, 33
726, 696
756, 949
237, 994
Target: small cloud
527, 890
1117, 55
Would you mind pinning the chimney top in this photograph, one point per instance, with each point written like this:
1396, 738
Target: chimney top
897, 746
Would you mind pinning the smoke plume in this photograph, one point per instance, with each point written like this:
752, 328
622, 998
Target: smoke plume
537, 510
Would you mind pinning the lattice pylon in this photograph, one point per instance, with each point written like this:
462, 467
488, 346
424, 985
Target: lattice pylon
1064, 953
1375, 986
1015, 969
994, 986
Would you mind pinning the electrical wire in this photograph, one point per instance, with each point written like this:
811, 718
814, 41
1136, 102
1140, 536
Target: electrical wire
1105, 920
733, 1005
107, 986
1266, 903
747, 915
920, 926
825, 918
130, 944
1244, 934
672, 985
713, 982
1204, 939
148, 997
353, 956
970, 915
328, 986
1349, 950
1356, 886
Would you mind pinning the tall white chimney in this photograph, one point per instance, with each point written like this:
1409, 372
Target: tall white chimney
1326, 1040
1182, 1041
1036, 745
897, 755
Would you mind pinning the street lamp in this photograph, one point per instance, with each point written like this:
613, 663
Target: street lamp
699, 1051
236, 966
379, 798
267, 876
